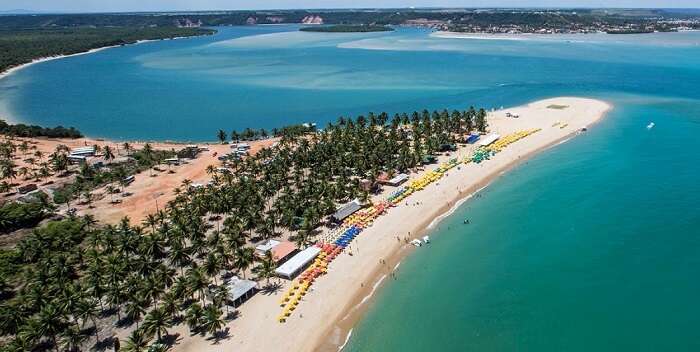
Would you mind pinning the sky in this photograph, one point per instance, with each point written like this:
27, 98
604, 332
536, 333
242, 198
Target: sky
188, 5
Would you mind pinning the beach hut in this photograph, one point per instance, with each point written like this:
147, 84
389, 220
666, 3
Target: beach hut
240, 290
488, 140
346, 210
297, 263
129, 179
27, 188
172, 161
429, 159
76, 158
473, 138
283, 251
446, 147
84, 151
397, 180
266, 246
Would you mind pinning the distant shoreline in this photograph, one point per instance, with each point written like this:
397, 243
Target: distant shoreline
12, 70
528, 36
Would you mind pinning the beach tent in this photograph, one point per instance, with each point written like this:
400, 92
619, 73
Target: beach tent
240, 290
473, 138
398, 179
489, 139
295, 264
346, 210
282, 251
84, 151
266, 246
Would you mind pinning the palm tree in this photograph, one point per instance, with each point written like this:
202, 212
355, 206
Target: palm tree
244, 258
7, 169
72, 338
50, 322
157, 322
23, 172
221, 135
107, 154
265, 268
88, 311
212, 322
179, 256
127, 147
137, 341
212, 265
135, 309
197, 282
194, 316
480, 120
151, 221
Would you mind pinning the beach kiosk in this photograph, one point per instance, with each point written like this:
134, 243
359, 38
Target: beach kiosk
240, 290
473, 138
398, 180
488, 140
292, 267
346, 210
283, 251
84, 151
266, 246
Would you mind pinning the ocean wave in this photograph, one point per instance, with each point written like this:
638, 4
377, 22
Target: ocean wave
365, 298
347, 339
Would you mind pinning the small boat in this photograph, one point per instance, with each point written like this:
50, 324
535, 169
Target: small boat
650, 125
416, 243
426, 239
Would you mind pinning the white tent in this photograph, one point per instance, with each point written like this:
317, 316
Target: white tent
295, 264
239, 290
489, 139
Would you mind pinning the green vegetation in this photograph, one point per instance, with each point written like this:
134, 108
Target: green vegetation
15, 215
91, 177
69, 278
21, 46
22, 130
346, 28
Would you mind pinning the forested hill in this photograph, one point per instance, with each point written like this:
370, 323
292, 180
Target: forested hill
21, 46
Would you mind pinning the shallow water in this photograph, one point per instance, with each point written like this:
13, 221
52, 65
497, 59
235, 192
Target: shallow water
267, 76
590, 246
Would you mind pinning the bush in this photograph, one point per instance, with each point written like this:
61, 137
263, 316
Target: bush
14, 216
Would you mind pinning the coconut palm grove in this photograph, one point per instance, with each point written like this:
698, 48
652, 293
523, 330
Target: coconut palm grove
69, 282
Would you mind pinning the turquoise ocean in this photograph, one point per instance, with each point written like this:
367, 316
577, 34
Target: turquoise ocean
590, 246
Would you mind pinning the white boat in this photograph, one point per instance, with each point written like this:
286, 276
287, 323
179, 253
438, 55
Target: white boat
650, 125
426, 239
416, 243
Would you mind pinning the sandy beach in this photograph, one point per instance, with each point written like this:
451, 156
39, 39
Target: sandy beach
337, 300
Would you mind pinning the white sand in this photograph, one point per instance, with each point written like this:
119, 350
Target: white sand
322, 320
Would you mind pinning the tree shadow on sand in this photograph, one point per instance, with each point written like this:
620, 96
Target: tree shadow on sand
234, 314
220, 335
271, 288
171, 339
103, 345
